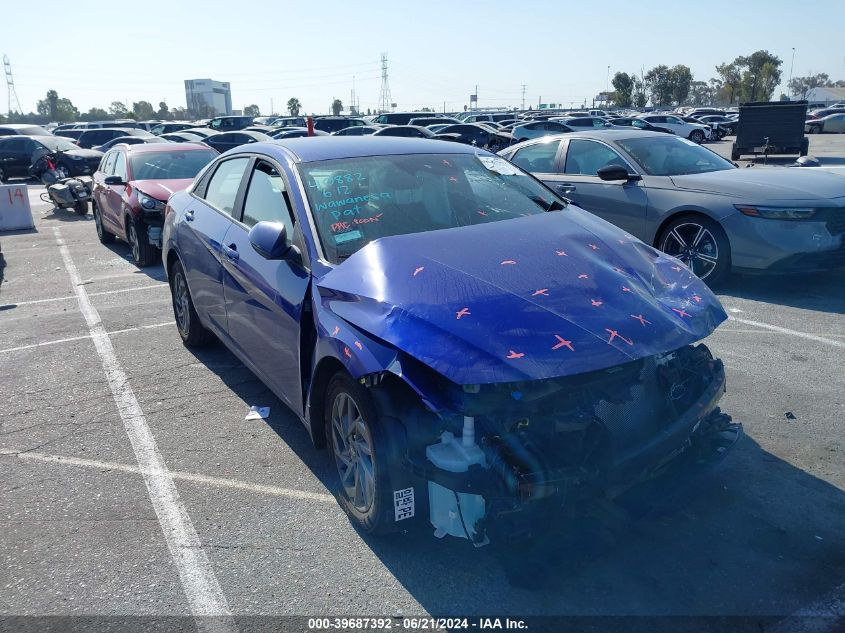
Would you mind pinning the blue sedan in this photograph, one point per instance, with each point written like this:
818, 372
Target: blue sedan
471, 347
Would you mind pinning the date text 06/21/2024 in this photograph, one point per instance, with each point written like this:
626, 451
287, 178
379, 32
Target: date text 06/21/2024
414, 624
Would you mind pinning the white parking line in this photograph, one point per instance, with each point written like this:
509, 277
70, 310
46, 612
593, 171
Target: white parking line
205, 597
217, 482
783, 330
83, 337
90, 294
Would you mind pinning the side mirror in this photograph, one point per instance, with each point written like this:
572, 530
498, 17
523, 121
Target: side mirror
270, 240
615, 172
113, 180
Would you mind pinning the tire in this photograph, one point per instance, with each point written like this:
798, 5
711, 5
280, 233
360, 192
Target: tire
360, 455
191, 330
696, 136
705, 250
102, 234
143, 253
805, 147
80, 208
735, 154
2, 176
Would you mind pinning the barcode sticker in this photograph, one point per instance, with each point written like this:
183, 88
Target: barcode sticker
403, 503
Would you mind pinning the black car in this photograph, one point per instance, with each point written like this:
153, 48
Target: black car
298, 132
355, 130
22, 128
399, 118
412, 131
227, 140
16, 155
432, 120
230, 123
334, 123
639, 124
98, 136
476, 134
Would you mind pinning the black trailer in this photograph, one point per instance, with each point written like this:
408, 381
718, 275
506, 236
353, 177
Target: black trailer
771, 127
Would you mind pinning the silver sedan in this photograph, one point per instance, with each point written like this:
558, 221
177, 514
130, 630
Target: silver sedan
691, 203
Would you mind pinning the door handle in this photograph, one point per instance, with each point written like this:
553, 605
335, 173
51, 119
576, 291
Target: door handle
565, 187
189, 215
231, 251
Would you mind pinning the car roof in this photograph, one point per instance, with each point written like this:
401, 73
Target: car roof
157, 148
311, 149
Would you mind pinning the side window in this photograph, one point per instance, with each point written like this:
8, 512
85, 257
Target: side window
587, 157
18, 146
266, 199
224, 184
107, 164
120, 165
539, 158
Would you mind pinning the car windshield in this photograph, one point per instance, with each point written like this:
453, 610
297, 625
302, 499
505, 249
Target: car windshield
672, 156
169, 165
355, 201
58, 144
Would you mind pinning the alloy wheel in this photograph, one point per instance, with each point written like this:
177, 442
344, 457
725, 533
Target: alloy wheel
694, 245
133, 242
98, 222
181, 305
353, 448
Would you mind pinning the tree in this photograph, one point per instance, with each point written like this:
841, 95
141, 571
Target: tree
623, 84
681, 78
337, 107
640, 91
729, 80
700, 94
659, 80
252, 110
57, 109
163, 111
95, 114
143, 110
179, 113
294, 106
118, 110
800, 86
760, 77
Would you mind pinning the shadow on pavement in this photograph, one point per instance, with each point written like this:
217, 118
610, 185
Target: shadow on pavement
808, 291
753, 536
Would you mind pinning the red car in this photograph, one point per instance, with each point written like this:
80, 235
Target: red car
131, 187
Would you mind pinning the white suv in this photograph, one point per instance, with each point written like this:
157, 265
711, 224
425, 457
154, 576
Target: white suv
692, 131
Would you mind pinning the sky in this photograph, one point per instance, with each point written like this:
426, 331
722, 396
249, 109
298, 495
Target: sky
438, 52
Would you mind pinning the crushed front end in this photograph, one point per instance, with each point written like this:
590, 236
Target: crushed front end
510, 454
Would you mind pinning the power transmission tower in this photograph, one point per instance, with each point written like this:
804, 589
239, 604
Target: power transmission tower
384, 98
523, 96
10, 87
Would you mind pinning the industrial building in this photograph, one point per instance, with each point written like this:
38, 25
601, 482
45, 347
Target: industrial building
206, 97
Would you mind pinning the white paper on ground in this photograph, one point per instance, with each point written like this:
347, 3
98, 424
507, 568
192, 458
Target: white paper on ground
258, 413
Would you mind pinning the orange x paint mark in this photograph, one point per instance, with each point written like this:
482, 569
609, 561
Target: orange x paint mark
595, 303
640, 318
462, 313
676, 268
561, 253
696, 298
621, 241
359, 346
509, 262
418, 270
480, 212
452, 179
541, 291
594, 247
514, 354
614, 334
335, 330
347, 352
562, 342
681, 312
583, 276
626, 289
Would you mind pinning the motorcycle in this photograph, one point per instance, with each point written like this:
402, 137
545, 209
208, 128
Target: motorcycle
62, 191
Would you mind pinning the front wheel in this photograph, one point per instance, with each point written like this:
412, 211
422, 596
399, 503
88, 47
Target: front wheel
697, 136
81, 208
701, 244
143, 253
191, 330
354, 433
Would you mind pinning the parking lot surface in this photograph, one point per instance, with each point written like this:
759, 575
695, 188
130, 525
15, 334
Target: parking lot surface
84, 527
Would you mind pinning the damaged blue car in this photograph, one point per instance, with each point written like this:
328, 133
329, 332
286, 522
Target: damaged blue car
476, 352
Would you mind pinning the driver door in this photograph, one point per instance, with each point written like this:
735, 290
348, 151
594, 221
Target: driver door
622, 203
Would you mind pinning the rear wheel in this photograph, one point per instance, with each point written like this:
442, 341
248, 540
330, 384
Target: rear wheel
102, 234
701, 244
81, 208
143, 253
191, 330
2, 175
354, 433
696, 136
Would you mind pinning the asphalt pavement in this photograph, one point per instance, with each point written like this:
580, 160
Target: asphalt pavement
87, 531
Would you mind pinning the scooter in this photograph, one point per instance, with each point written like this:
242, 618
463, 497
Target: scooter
62, 191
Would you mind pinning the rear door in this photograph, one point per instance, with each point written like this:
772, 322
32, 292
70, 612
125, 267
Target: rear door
265, 298
16, 156
622, 203
206, 220
111, 210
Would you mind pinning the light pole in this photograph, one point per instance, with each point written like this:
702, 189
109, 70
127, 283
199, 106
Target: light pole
791, 66
607, 85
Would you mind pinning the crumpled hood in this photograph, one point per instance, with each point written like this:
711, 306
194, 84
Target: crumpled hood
162, 189
542, 296
760, 184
